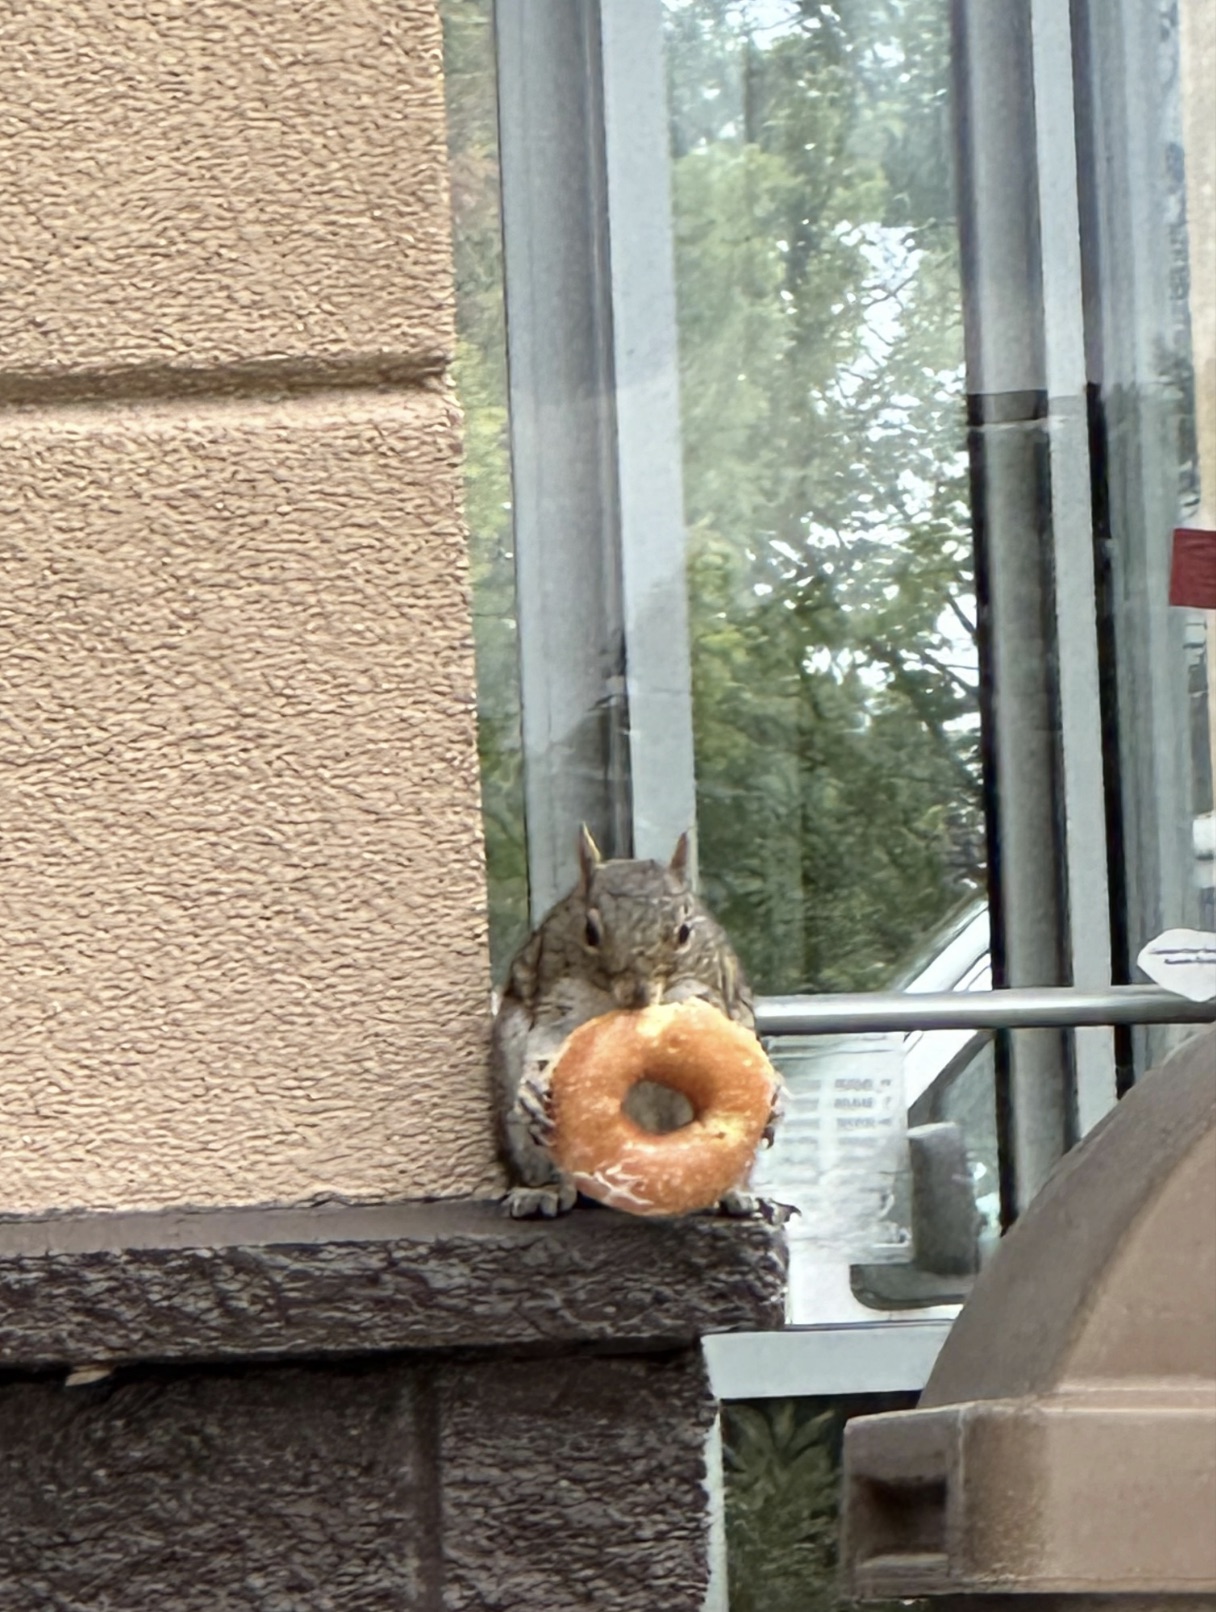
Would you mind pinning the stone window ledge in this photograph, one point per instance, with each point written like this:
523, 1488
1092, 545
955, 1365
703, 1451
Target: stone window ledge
341, 1279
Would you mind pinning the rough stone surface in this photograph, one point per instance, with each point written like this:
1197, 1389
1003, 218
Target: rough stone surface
401, 1486
576, 1485
243, 954
190, 186
285, 1490
347, 1280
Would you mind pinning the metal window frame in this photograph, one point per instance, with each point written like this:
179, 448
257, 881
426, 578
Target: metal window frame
1081, 761
595, 433
1033, 304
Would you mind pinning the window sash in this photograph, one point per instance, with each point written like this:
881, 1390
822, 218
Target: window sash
595, 432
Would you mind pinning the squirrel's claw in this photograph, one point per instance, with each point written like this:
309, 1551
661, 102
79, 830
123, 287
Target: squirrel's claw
527, 1203
775, 1115
533, 1103
739, 1205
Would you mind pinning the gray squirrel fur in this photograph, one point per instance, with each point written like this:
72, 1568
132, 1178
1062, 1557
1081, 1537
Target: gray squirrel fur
630, 933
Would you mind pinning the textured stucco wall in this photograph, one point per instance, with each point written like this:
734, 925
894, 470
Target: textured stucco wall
242, 950
203, 182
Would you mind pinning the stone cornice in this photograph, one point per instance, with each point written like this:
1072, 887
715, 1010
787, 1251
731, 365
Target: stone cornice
341, 1279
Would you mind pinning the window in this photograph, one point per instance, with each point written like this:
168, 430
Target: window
830, 402
481, 381
831, 593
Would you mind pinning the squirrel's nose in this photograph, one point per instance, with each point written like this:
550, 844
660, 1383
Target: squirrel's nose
631, 991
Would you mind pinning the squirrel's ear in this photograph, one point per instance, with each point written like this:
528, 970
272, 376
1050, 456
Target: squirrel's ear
679, 857
589, 857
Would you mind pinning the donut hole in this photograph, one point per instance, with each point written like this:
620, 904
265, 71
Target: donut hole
657, 1109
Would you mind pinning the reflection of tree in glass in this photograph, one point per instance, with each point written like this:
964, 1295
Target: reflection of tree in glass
481, 383
781, 1461
825, 479
830, 570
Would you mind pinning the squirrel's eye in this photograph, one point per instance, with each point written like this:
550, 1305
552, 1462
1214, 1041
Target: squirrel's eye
592, 932
683, 934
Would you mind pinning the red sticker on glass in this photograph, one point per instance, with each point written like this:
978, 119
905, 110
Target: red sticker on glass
1193, 573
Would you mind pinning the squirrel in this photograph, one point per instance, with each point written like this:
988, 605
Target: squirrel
630, 933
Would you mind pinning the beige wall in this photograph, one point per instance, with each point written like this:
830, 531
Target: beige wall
242, 941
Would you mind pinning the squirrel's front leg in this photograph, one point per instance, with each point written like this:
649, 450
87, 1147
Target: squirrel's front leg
522, 1056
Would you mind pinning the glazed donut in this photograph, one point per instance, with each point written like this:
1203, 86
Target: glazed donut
690, 1046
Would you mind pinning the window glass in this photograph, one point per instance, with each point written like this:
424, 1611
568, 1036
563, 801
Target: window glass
823, 401
888, 1152
1197, 57
825, 480
1147, 232
832, 603
481, 383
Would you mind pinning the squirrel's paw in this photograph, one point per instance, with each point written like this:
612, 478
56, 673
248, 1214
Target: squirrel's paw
738, 1205
533, 1103
529, 1203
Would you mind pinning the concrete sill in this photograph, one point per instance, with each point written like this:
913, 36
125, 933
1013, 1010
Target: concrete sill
341, 1279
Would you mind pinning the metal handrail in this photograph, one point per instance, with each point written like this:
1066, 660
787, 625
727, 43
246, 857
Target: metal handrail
1015, 1008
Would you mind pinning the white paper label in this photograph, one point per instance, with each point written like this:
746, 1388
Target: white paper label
841, 1145
1184, 961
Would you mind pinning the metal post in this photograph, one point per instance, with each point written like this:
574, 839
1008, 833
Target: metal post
595, 433
1082, 778
1007, 386
649, 446
1044, 1007
563, 435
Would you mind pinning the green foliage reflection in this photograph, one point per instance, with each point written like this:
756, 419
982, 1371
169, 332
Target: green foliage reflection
830, 571
825, 480
481, 385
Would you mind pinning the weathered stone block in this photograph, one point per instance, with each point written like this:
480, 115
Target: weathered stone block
576, 1484
396, 1485
341, 1280
289, 1490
